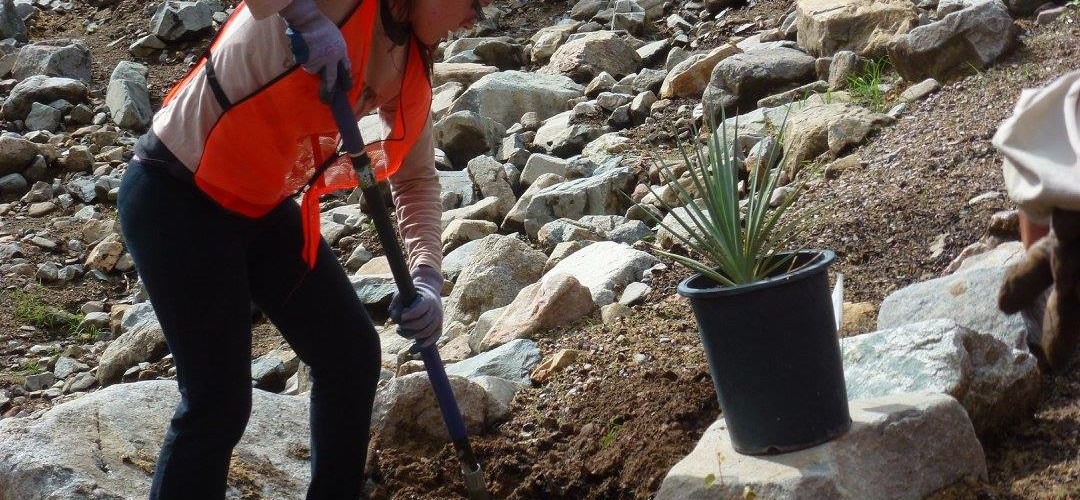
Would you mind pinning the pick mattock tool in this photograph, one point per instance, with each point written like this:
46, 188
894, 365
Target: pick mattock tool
353, 146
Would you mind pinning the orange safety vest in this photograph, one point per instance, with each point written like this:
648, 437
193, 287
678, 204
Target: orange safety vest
267, 146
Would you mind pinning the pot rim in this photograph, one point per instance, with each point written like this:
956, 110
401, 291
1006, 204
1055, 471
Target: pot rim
822, 258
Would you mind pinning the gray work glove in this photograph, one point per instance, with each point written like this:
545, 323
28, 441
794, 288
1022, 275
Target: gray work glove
318, 46
422, 320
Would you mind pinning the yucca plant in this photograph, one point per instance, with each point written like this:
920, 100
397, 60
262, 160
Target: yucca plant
732, 241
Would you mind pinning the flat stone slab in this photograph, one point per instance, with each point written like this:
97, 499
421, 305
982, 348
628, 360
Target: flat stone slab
903, 446
104, 445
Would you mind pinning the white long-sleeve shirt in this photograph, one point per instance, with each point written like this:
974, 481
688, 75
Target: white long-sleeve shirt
1041, 146
255, 50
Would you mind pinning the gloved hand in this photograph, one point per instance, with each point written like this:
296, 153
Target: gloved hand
422, 320
318, 45
1053, 260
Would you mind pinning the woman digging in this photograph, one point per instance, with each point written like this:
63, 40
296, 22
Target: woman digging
207, 213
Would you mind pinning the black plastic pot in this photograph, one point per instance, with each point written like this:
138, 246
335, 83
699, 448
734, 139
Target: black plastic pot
774, 356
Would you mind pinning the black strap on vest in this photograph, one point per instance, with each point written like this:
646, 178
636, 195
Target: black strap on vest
215, 85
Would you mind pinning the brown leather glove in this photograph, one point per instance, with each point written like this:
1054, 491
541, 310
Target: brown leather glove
1053, 260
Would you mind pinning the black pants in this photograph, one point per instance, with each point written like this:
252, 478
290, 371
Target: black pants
203, 266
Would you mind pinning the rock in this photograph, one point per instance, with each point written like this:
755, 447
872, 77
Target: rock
462, 73
920, 90
464, 135
826, 27
501, 267
13, 185
634, 293
141, 340
546, 40
16, 154
843, 66
1003, 255
11, 23
406, 408
604, 268
975, 36
41, 209
456, 260
690, 77
858, 318
515, 219
511, 361
564, 230
819, 128
616, 228
653, 53
539, 164
458, 183
485, 209
40, 88
1049, 16
505, 96
128, 98
39, 382
268, 373
105, 254
488, 176
56, 58
613, 312
627, 15
462, 231
583, 58
175, 21
43, 117
559, 137
557, 300
554, 364
67, 366
962, 297
146, 46
597, 195
739, 81
997, 384
899, 446
602, 83
105, 442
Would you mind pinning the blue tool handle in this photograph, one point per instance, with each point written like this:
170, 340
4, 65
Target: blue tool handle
440, 383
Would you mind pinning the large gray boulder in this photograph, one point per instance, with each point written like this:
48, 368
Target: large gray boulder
739, 81
605, 268
967, 297
44, 89
596, 195
587, 56
506, 95
464, 135
997, 384
826, 27
512, 361
128, 98
406, 408
141, 339
43, 117
515, 220
561, 137
500, 268
975, 36
59, 58
102, 446
903, 446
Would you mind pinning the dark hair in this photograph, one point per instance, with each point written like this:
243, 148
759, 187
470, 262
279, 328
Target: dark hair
395, 20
